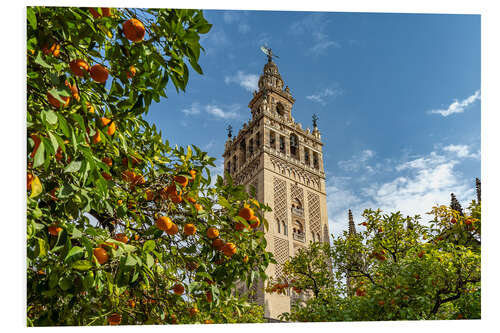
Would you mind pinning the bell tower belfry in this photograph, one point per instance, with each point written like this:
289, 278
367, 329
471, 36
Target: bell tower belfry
284, 163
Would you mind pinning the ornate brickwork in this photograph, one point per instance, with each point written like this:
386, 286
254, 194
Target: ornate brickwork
280, 209
281, 253
297, 193
314, 212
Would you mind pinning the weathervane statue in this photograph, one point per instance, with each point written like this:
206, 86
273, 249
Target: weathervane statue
267, 51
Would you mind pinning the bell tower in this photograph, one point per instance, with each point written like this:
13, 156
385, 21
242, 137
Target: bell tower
284, 163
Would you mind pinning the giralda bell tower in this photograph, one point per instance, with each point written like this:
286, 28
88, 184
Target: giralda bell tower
284, 162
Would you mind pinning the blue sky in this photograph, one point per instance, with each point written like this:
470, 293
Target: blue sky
398, 97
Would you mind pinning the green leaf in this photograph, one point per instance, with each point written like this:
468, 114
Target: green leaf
130, 261
149, 260
36, 187
74, 166
39, 60
42, 247
30, 14
149, 246
40, 155
75, 251
63, 125
81, 265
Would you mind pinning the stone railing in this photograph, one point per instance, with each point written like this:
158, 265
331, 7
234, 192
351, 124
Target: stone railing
298, 212
299, 237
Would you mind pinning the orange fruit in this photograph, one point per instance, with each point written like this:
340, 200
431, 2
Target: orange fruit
239, 226
131, 303
176, 198
255, 222
193, 311
136, 237
106, 176
29, 179
381, 302
149, 195
181, 180
173, 229
54, 230
212, 233
164, 223
189, 229
191, 200
198, 207
78, 67
99, 73
52, 194
90, 107
208, 294
139, 179
114, 319
208, 321
178, 289
121, 237
134, 30
37, 143
54, 49
94, 13
55, 102
58, 154
128, 175
112, 126
74, 90
101, 255
246, 213
106, 12
218, 243
97, 137
245, 259
131, 72
229, 249
192, 173
108, 161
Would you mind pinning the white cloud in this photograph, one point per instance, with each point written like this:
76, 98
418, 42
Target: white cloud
462, 151
314, 25
248, 81
243, 28
357, 162
412, 187
458, 106
327, 92
192, 110
231, 17
217, 111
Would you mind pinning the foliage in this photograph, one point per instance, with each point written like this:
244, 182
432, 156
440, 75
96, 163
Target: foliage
100, 176
400, 269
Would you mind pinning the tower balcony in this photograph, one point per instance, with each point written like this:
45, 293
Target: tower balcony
299, 237
298, 212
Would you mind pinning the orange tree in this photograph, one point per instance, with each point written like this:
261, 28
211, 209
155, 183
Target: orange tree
396, 268
121, 227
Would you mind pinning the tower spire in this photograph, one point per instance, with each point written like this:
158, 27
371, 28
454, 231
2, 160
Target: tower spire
352, 227
478, 190
455, 205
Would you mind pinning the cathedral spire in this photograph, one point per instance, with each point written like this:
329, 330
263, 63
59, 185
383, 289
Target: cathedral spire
352, 227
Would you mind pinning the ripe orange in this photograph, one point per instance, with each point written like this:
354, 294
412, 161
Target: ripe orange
131, 303
106, 12
245, 259
54, 49
58, 154
181, 180
468, 222
178, 289
128, 175
114, 319
131, 72
212, 233
255, 222
191, 200
29, 179
193, 311
90, 107
239, 226
208, 321
453, 220
97, 137
101, 255
164, 223
111, 128
139, 180
381, 302
149, 195
421, 254
229, 249
121, 237
246, 213
189, 229
108, 161
74, 90
54, 230
218, 243
55, 102
198, 207
134, 30
106, 176
37, 141
364, 224
99, 73
173, 229
209, 296
78, 67
192, 173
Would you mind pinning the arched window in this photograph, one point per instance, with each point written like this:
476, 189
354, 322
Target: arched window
297, 227
294, 146
280, 109
285, 229
279, 226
